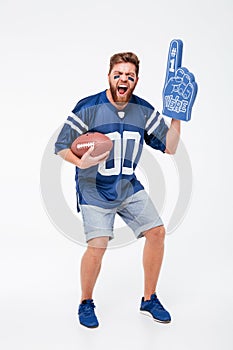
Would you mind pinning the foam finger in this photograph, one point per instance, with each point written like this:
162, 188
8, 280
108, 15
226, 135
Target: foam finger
174, 59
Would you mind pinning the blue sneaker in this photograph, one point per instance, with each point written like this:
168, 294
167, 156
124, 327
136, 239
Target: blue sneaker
154, 308
87, 315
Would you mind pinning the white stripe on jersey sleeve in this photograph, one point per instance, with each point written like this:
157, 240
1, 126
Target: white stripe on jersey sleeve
78, 120
74, 126
155, 125
153, 115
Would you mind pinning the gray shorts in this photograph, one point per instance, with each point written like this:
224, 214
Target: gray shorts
137, 211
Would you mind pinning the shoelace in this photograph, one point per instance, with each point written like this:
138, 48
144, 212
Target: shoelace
157, 303
87, 309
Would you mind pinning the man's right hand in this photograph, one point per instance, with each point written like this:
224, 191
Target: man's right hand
88, 161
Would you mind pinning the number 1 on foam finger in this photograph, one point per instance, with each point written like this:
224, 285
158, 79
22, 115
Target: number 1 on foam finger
174, 58
172, 65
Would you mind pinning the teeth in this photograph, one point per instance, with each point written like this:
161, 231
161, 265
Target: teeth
123, 86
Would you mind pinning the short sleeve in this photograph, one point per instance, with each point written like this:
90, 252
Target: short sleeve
73, 127
156, 131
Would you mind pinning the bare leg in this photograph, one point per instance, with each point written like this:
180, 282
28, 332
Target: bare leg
91, 264
152, 259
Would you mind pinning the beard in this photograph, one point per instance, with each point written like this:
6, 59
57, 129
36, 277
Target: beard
117, 98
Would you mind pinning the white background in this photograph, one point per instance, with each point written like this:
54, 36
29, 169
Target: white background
53, 53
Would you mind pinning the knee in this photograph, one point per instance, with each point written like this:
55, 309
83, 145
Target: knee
96, 254
97, 247
156, 235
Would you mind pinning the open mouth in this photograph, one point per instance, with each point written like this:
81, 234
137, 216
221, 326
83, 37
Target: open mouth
122, 89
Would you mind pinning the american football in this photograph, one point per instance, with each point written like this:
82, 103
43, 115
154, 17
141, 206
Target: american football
101, 143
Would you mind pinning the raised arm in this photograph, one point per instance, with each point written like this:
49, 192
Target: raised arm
173, 136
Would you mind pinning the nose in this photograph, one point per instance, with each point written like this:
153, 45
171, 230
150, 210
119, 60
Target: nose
124, 77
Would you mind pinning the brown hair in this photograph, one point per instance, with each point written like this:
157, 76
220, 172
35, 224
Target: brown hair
124, 57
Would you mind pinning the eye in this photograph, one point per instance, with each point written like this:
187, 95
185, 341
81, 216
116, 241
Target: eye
131, 79
116, 77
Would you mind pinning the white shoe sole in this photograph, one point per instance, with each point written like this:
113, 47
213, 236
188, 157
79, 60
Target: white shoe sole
147, 313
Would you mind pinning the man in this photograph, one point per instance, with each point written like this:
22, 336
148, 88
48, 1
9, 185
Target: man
107, 184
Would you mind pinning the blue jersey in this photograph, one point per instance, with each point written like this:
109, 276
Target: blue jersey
109, 183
